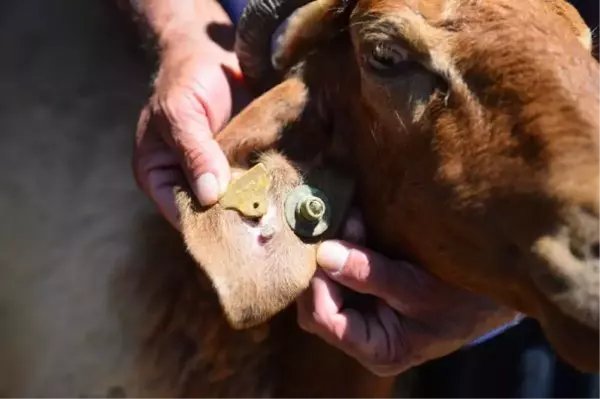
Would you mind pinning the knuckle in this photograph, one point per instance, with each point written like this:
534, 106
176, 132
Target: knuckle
153, 106
387, 283
175, 104
418, 290
196, 159
174, 107
182, 107
374, 273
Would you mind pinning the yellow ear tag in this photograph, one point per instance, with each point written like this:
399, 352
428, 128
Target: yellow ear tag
249, 193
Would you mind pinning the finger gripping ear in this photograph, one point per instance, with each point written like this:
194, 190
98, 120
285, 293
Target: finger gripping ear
257, 266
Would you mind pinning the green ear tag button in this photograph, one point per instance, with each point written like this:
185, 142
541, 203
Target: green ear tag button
312, 208
307, 211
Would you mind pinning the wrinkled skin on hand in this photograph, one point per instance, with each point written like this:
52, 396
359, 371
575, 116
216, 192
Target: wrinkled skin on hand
416, 318
196, 88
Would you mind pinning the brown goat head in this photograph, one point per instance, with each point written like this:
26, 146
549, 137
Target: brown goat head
471, 128
484, 129
484, 122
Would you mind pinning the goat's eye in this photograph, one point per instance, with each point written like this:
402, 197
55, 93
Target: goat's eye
385, 58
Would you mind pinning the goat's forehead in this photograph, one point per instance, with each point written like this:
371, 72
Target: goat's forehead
524, 13
444, 16
429, 9
533, 26
520, 48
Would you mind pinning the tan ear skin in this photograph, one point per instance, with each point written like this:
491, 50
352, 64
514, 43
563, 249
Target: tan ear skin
255, 276
259, 267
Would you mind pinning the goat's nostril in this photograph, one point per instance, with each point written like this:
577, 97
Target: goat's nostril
581, 235
585, 252
553, 283
577, 250
595, 251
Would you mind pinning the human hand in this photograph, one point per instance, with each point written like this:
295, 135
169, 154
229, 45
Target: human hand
416, 318
195, 90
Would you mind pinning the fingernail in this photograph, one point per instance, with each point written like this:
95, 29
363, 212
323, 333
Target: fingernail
332, 256
207, 189
223, 184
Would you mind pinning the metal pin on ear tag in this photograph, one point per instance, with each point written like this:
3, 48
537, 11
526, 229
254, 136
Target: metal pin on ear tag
249, 193
307, 211
316, 209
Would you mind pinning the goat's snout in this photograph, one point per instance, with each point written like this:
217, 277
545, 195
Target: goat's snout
575, 241
568, 274
583, 237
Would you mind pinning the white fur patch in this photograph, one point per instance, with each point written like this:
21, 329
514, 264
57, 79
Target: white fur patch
262, 230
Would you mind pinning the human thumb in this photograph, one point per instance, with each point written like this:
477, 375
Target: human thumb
205, 165
191, 134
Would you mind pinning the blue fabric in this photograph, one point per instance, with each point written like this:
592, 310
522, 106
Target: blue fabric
234, 8
519, 363
495, 332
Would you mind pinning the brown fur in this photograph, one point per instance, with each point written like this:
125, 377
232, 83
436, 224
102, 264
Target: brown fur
479, 160
99, 297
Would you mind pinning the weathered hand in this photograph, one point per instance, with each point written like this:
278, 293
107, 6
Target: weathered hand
416, 318
193, 98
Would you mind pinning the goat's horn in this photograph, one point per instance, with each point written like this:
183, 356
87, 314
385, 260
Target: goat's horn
259, 20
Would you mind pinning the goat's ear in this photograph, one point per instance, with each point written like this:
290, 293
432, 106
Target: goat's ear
258, 267
569, 14
309, 26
